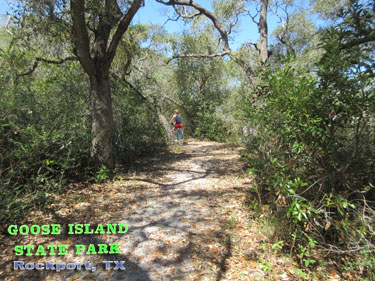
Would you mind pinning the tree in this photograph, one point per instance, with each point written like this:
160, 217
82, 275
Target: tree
263, 30
95, 29
96, 56
201, 82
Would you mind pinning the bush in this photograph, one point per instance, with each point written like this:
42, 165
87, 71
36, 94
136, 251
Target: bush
209, 125
137, 131
314, 150
44, 137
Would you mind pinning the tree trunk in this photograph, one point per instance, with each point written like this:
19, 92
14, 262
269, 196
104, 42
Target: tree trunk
102, 121
263, 30
96, 54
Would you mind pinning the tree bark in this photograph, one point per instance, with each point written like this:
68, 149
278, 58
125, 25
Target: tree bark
263, 30
96, 54
102, 121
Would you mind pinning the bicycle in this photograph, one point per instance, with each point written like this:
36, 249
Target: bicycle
177, 137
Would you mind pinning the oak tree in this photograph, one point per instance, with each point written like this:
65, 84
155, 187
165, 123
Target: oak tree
95, 29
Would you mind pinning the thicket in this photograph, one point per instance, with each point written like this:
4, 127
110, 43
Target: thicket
314, 145
45, 125
137, 131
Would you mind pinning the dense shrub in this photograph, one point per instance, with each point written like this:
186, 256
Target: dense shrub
138, 130
44, 136
319, 164
209, 125
314, 147
45, 125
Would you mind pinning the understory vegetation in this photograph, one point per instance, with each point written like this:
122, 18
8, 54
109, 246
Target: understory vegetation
313, 149
305, 117
45, 134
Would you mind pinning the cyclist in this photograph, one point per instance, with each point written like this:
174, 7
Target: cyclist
178, 119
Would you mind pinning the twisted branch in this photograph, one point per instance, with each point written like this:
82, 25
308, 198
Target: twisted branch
37, 60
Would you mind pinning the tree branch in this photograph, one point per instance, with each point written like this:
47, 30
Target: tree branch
37, 60
80, 36
227, 52
185, 15
290, 49
253, 17
162, 92
277, 15
7, 26
252, 44
129, 85
357, 42
151, 106
109, 16
171, 19
122, 27
208, 14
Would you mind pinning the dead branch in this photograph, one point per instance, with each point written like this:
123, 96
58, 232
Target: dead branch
171, 19
233, 24
253, 18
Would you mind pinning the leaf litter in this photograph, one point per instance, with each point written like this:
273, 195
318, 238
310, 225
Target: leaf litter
187, 220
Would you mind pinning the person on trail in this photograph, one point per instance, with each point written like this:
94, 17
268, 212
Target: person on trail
178, 119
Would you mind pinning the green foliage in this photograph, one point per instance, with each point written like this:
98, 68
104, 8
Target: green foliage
45, 131
137, 130
278, 245
366, 264
300, 273
210, 126
266, 266
299, 37
304, 254
102, 174
44, 135
202, 85
314, 143
329, 9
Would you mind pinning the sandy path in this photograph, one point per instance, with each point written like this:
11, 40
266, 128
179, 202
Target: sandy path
179, 211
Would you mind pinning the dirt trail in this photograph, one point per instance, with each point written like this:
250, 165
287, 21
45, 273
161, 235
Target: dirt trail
185, 218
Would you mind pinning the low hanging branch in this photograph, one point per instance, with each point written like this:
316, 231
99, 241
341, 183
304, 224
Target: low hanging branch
129, 85
37, 60
163, 94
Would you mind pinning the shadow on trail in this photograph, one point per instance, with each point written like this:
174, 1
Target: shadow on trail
226, 256
187, 152
174, 217
166, 185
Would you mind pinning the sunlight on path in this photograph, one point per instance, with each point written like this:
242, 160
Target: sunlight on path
171, 228
178, 211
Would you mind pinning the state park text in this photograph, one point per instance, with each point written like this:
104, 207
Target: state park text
62, 249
